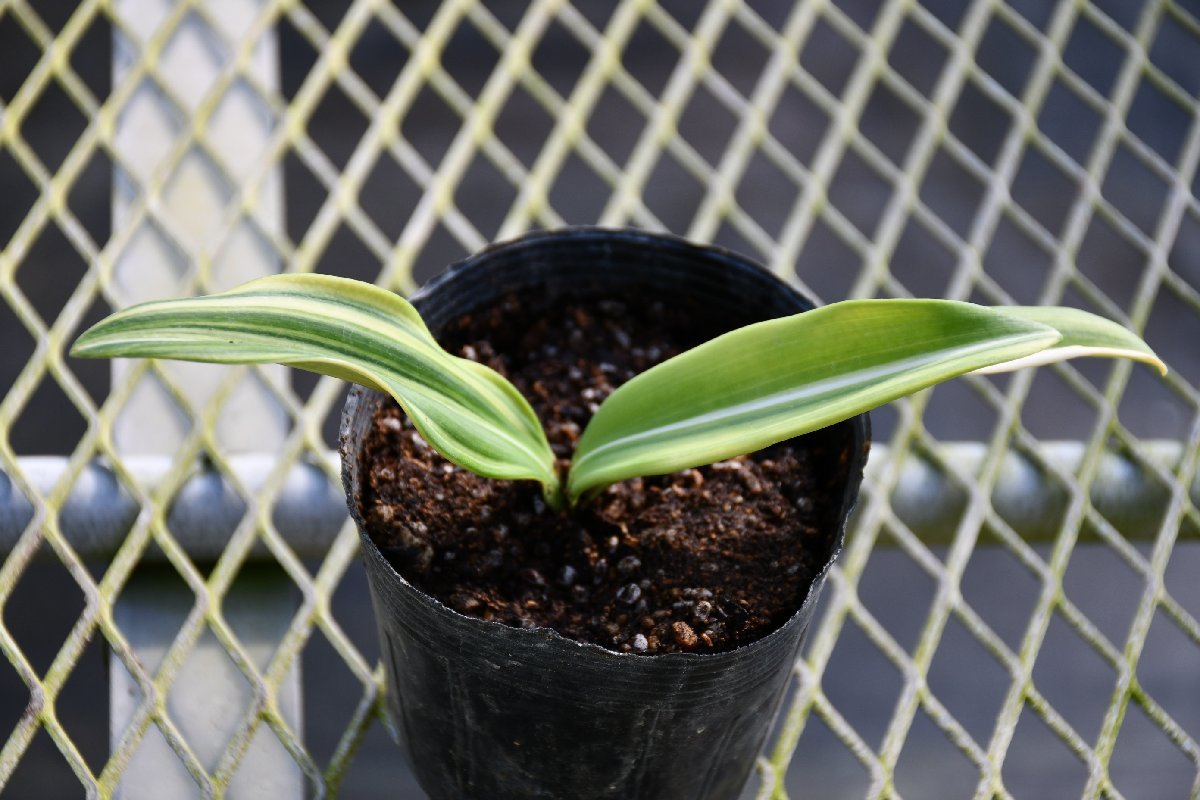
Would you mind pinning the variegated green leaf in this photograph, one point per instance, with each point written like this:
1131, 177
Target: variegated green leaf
351, 330
774, 380
1083, 334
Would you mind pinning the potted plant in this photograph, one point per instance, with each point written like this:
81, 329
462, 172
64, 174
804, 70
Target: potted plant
503, 524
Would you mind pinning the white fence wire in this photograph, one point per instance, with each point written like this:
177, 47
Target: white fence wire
1016, 612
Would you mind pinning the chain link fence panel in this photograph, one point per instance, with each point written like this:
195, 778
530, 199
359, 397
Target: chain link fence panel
1015, 614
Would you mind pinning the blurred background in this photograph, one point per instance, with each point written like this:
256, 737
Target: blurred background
991, 632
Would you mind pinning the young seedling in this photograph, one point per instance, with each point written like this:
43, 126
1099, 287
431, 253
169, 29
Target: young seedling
737, 393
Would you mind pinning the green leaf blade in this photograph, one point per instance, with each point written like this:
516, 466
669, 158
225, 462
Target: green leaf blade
1083, 334
354, 331
777, 379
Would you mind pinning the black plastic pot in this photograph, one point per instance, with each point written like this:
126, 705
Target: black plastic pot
489, 711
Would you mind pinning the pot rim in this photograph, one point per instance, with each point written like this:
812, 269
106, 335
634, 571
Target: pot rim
860, 448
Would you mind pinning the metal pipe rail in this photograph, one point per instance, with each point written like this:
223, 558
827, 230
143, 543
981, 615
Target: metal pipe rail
310, 509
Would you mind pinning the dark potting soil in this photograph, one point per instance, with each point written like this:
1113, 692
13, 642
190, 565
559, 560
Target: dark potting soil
703, 560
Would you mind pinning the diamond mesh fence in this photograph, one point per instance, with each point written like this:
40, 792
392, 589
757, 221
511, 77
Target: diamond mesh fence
1016, 611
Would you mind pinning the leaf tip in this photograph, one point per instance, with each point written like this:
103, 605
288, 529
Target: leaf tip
82, 346
1147, 357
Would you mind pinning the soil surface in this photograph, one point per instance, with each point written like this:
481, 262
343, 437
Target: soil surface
703, 560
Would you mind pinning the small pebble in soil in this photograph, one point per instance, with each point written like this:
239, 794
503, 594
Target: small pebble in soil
629, 594
532, 577
629, 565
685, 637
464, 602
